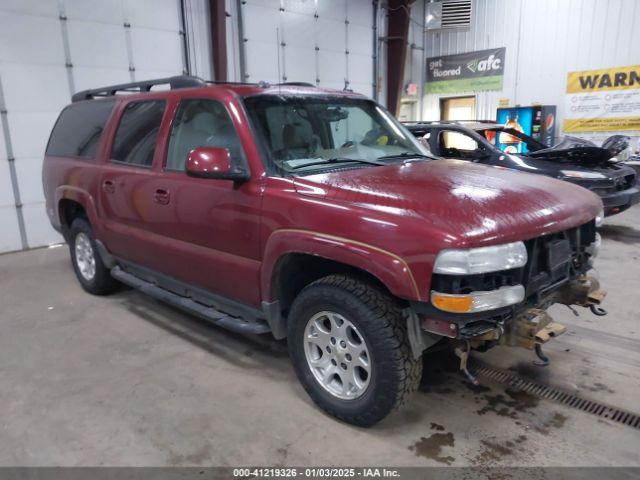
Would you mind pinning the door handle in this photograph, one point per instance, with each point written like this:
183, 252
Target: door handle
108, 186
161, 196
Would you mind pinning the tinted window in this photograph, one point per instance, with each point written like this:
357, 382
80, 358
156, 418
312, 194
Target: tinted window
79, 128
136, 137
201, 123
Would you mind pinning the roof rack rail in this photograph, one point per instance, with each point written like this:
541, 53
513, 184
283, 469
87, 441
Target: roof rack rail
224, 82
179, 81
296, 84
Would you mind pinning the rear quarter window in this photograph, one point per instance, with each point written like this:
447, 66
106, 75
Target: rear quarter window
78, 129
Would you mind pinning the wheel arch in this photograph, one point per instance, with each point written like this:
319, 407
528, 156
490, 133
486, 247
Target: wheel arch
295, 258
72, 202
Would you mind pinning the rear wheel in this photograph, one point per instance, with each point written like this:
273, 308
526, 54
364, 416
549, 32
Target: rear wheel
92, 274
349, 347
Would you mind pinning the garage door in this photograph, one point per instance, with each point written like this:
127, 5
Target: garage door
50, 49
327, 43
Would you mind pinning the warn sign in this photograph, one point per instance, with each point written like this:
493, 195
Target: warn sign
605, 79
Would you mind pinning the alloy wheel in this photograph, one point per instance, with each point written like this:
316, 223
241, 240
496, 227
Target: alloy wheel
337, 355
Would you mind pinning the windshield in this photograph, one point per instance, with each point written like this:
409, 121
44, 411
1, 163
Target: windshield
307, 134
510, 140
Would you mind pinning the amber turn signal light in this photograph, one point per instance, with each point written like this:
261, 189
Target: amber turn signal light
449, 303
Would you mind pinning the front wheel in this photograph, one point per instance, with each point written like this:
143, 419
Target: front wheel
349, 346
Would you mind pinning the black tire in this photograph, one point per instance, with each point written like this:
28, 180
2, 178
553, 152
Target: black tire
101, 283
395, 374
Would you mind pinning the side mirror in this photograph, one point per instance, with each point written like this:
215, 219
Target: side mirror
213, 162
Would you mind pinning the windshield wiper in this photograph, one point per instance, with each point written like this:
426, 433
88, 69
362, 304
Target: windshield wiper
337, 160
405, 155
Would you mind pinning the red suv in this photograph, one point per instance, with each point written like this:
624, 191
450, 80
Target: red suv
314, 215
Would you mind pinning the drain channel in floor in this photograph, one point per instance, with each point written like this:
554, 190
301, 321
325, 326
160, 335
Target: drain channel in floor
554, 394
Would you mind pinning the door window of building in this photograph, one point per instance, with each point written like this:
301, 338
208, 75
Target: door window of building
458, 108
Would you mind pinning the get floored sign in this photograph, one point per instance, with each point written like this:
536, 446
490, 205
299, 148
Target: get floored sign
603, 100
466, 72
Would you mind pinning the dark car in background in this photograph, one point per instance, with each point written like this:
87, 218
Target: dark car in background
573, 159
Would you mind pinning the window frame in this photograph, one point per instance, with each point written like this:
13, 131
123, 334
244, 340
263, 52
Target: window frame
235, 163
118, 123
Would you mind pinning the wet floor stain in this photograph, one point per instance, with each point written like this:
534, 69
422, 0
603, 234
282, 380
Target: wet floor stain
596, 387
431, 447
515, 401
530, 371
556, 421
492, 451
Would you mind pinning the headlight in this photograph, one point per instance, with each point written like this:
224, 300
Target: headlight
581, 174
481, 260
600, 218
478, 301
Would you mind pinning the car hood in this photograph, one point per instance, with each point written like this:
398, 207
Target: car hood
581, 151
463, 204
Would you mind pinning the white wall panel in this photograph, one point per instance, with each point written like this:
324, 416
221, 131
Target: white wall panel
6, 189
319, 38
545, 39
332, 35
31, 7
298, 30
30, 39
37, 82
23, 87
107, 47
335, 9
157, 14
262, 62
156, 50
9, 233
39, 229
300, 65
30, 132
29, 171
104, 11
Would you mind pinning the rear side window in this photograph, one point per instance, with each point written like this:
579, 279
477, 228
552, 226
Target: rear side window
79, 128
137, 133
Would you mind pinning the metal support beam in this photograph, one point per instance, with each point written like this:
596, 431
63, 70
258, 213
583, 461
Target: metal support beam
218, 26
398, 19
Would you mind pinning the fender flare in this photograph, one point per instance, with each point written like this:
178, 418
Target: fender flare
68, 192
392, 270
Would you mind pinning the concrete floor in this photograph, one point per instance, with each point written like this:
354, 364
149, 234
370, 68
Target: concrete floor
125, 380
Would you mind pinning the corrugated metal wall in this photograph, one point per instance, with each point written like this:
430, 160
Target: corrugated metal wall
545, 39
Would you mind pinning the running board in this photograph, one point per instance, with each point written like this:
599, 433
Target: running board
208, 313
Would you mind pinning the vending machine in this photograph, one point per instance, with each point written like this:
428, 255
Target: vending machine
537, 121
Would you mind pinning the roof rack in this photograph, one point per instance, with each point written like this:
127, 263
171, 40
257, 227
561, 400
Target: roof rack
180, 81
297, 84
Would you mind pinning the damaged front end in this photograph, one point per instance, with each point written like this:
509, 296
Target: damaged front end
478, 305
